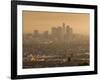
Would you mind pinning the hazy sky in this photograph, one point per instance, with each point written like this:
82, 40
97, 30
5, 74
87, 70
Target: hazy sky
43, 21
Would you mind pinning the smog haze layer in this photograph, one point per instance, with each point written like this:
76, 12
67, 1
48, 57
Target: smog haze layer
44, 21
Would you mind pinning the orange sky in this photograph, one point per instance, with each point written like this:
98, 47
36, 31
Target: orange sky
43, 21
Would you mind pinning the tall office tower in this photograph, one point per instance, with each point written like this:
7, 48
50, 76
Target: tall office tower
54, 31
63, 29
59, 32
68, 31
36, 33
71, 31
45, 34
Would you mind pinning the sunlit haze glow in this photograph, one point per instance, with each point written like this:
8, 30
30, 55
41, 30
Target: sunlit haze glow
44, 21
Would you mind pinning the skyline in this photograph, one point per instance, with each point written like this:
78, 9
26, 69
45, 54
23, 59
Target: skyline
44, 21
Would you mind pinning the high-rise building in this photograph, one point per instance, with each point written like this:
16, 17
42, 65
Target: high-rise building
45, 34
54, 31
63, 32
63, 28
36, 33
68, 32
59, 32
